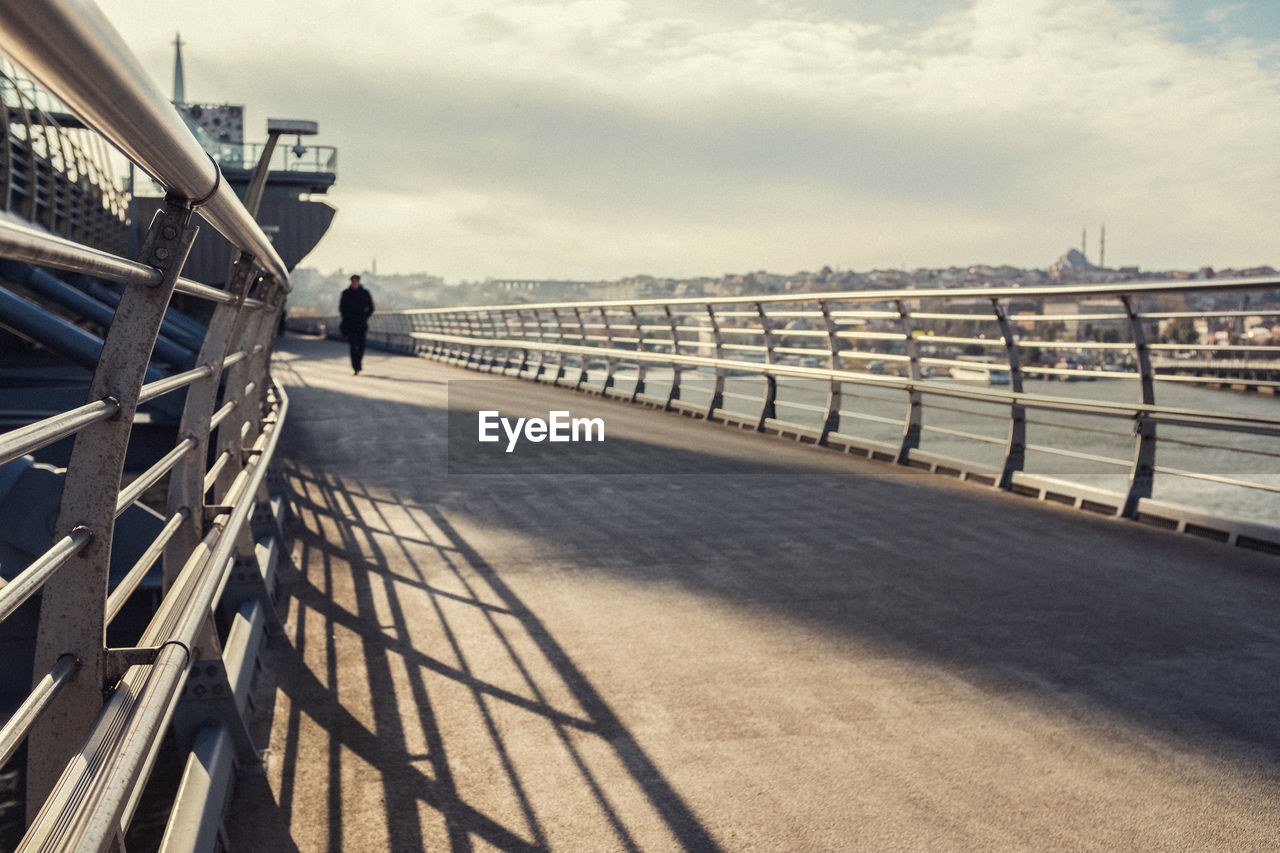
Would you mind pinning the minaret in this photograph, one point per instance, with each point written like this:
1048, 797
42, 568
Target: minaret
1102, 247
1083, 235
179, 87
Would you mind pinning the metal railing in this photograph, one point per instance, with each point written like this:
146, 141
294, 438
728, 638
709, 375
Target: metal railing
1065, 393
57, 176
285, 158
88, 757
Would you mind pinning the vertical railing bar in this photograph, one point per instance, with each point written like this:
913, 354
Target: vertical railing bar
610, 362
506, 333
73, 607
1142, 474
1015, 453
584, 360
641, 364
540, 366
717, 390
768, 409
831, 421
260, 360
524, 351
187, 485
915, 402
560, 372
673, 392
236, 388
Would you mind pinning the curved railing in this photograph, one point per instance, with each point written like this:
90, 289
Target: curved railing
88, 757
1090, 395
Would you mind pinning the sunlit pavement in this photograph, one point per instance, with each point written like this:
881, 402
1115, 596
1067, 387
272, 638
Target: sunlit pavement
802, 652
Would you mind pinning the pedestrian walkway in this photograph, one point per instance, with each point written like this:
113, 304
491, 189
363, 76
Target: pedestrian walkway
790, 649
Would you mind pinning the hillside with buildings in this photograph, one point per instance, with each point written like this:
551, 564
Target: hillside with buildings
317, 293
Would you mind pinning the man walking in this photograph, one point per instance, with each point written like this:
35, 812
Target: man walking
355, 306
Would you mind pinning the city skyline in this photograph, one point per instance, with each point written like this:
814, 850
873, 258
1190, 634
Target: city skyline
598, 140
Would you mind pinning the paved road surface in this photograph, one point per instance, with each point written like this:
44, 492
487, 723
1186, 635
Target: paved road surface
758, 646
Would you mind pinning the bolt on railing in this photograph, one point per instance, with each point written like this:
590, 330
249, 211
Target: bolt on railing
88, 757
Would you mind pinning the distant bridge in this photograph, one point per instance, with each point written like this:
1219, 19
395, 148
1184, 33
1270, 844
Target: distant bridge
1248, 374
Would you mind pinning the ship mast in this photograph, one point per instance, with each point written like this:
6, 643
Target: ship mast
179, 85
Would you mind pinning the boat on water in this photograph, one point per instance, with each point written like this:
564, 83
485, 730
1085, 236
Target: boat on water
56, 176
979, 370
292, 209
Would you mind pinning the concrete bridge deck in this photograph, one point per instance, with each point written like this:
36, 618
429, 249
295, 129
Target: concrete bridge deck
803, 651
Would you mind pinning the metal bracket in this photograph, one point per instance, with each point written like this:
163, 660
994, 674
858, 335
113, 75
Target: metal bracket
118, 661
212, 511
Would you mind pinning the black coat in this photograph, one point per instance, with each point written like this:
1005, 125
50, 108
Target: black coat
355, 305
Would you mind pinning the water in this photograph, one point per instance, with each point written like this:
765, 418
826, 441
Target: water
877, 413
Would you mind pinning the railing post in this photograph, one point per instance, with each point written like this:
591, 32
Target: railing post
231, 438
491, 324
831, 423
1015, 451
186, 482
423, 323
640, 365
674, 391
452, 353
585, 360
506, 333
260, 360
1142, 474
473, 349
461, 327
527, 365
73, 607
717, 391
439, 324
768, 409
524, 351
610, 362
915, 402
555, 312
485, 331
542, 353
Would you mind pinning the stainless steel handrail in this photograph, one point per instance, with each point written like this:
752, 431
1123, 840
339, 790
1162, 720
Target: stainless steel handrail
997, 335
71, 48
96, 788
1038, 291
1043, 401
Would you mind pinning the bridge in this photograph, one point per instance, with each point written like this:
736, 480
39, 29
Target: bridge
760, 645
865, 570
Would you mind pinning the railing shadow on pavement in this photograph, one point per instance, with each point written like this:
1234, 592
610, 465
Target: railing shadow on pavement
1153, 630
405, 740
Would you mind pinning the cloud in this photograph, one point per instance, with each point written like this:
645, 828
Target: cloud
602, 137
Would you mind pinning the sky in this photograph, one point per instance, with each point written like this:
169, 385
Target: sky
597, 139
